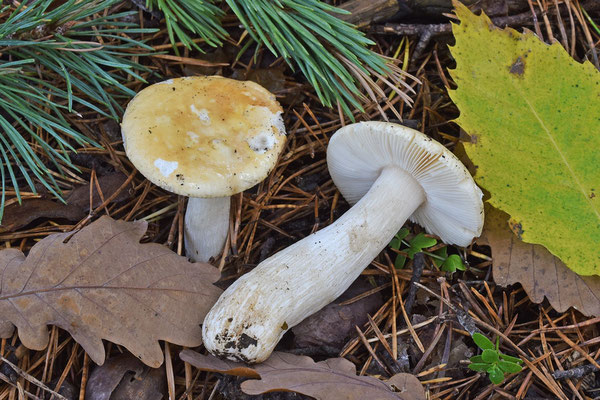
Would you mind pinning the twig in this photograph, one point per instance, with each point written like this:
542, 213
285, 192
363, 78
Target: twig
32, 379
17, 386
418, 265
426, 32
575, 373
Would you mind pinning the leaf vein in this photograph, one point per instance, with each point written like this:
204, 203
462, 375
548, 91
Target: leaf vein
558, 150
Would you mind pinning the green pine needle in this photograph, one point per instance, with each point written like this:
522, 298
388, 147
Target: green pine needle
65, 59
200, 17
54, 65
332, 54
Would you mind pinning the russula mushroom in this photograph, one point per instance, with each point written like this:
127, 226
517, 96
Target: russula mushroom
392, 173
207, 138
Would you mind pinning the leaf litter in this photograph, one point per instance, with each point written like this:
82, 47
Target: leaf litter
534, 112
101, 283
124, 377
76, 207
260, 221
534, 267
289, 372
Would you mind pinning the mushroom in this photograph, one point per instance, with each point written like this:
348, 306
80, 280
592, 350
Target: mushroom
392, 173
206, 138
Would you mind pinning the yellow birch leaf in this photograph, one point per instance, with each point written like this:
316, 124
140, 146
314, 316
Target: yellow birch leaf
533, 114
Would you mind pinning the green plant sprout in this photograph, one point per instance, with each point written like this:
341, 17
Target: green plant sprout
441, 259
449, 263
492, 361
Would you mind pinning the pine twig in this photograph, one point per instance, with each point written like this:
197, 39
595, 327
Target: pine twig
418, 266
575, 373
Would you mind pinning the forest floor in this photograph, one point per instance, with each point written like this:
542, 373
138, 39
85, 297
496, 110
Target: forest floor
299, 198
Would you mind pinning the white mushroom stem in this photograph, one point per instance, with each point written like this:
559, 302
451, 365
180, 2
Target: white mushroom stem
205, 228
252, 314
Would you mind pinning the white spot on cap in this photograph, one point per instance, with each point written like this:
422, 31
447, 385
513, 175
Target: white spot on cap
167, 82
278, 122
165, 167
262, 142
193, 135
202, 114
248, 94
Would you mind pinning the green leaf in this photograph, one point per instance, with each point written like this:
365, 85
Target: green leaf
511, 359
395, 244
422, 242
418, 243
490, 356
443, 253
532, 113
402, 233
399, 262
453, 263
397, 240
496, 375
482, 342
476, 359
509, 367
479, 366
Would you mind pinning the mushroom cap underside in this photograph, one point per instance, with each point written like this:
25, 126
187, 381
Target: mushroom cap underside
453, 208
204, 136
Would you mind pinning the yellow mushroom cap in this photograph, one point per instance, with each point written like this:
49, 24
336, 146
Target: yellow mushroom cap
204, 136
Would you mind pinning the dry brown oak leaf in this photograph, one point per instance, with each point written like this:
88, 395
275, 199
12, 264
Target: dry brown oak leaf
104, 284
322, 380
536, 269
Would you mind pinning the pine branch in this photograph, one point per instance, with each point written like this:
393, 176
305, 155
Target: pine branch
58, 61
333, 55
200, 17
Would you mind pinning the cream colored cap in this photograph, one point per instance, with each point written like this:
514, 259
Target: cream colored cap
204, 136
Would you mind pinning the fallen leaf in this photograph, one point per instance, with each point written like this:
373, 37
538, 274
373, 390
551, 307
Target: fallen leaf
539, 272
125, 377
19, 215
532, 113
104, 284
78, 204
289, 372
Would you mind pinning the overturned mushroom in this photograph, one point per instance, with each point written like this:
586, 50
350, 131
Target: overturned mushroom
207, 138
392, 173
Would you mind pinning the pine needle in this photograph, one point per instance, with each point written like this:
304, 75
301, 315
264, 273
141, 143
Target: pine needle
332, 54
199, 17
59, 60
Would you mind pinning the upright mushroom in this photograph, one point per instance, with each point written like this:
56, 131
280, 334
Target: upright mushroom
392, 173
207, 138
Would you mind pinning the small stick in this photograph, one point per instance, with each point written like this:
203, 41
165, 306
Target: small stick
418, 265
32, 379
169, 372
575, 373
